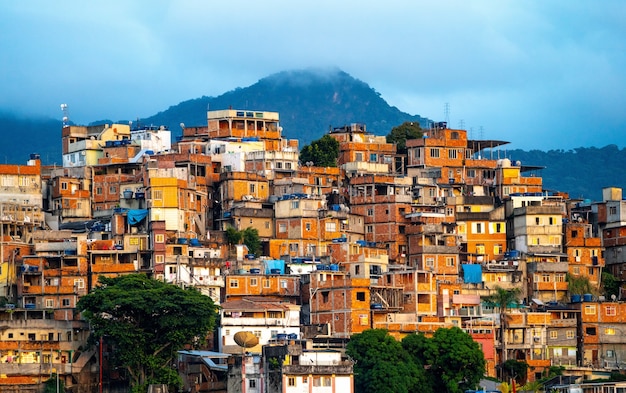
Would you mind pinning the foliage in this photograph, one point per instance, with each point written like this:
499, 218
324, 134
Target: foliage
450, 361
505, 387
456, 362
250, 237
532, 386
579, 285
610, 285
144, 322
233, 236
513, 369
381, 365
503, 299
405, 131
321, 152
50, 385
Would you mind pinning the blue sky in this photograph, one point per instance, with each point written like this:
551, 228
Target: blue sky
540, 74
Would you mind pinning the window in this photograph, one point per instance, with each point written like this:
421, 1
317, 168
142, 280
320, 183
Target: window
591, 331
49, 303
159, 258
293, 247
570, 334
434, 152
590, 309
498, 227
282, 228
360, 296
79, 283
358, 157
291, 381
613, 210
99, 190
307, 226
449, 261
373, 157
609, 331
295, 204
452, 153
370, 212
325, 297
266, 283
610, 353
66, 302
252, 383
253, 282
326, 381
63, 186
479, 227
471, 173
430, 262
554, 334
252, 188
234, 283
160, 238
611, 311
331, 227
112, 190
369, 229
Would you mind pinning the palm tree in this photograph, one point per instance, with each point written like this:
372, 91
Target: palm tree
534, 386
503, 299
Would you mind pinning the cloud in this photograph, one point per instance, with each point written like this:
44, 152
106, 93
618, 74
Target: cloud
541, 73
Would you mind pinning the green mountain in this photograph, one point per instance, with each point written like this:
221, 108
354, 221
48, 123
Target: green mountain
309, 103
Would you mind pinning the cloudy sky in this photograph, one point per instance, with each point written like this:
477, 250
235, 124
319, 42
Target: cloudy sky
540, 74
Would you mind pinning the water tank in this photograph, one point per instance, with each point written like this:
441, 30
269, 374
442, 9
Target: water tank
275, 271
281, 336
587, 297
576, 298
334, 267
255, 271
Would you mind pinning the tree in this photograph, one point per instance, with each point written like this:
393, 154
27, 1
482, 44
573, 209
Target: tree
516, 370
455, 362
503, 299
400, 134
381, 364
250, 237
145, 322
610, 285
321, 152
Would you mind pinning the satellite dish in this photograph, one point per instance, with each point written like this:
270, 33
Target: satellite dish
613, 297
246, 339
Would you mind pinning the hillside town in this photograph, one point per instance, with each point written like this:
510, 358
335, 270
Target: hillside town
406, 242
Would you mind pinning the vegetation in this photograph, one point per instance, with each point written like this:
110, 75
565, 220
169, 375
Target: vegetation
144, 322
400, 134
515, 370
322, 152
50, 386
610, 285
249, 237
450, 361
503, 299
579, 285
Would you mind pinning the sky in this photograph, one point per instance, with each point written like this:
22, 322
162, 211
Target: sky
539, 74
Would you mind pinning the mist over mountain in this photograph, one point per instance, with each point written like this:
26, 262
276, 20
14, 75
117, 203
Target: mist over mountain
309, 103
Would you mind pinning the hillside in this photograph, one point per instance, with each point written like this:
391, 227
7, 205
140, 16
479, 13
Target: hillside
309, 102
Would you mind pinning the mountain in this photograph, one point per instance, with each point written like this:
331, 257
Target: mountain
309, 103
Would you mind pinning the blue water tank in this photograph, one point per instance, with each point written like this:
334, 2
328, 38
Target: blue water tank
576, 298
281, 336
587, 297
255, 271
334, 267
275, 271
293, 336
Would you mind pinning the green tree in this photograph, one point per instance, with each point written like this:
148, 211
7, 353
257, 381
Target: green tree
50, 386
578, 285
503, 299
456, 361
233, 237
382, 365
513, 369
321, 152
400, 134
250, 237
145, 322
610, 285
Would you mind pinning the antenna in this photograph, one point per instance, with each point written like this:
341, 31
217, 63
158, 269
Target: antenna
446, 112
66, 118
462, 124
